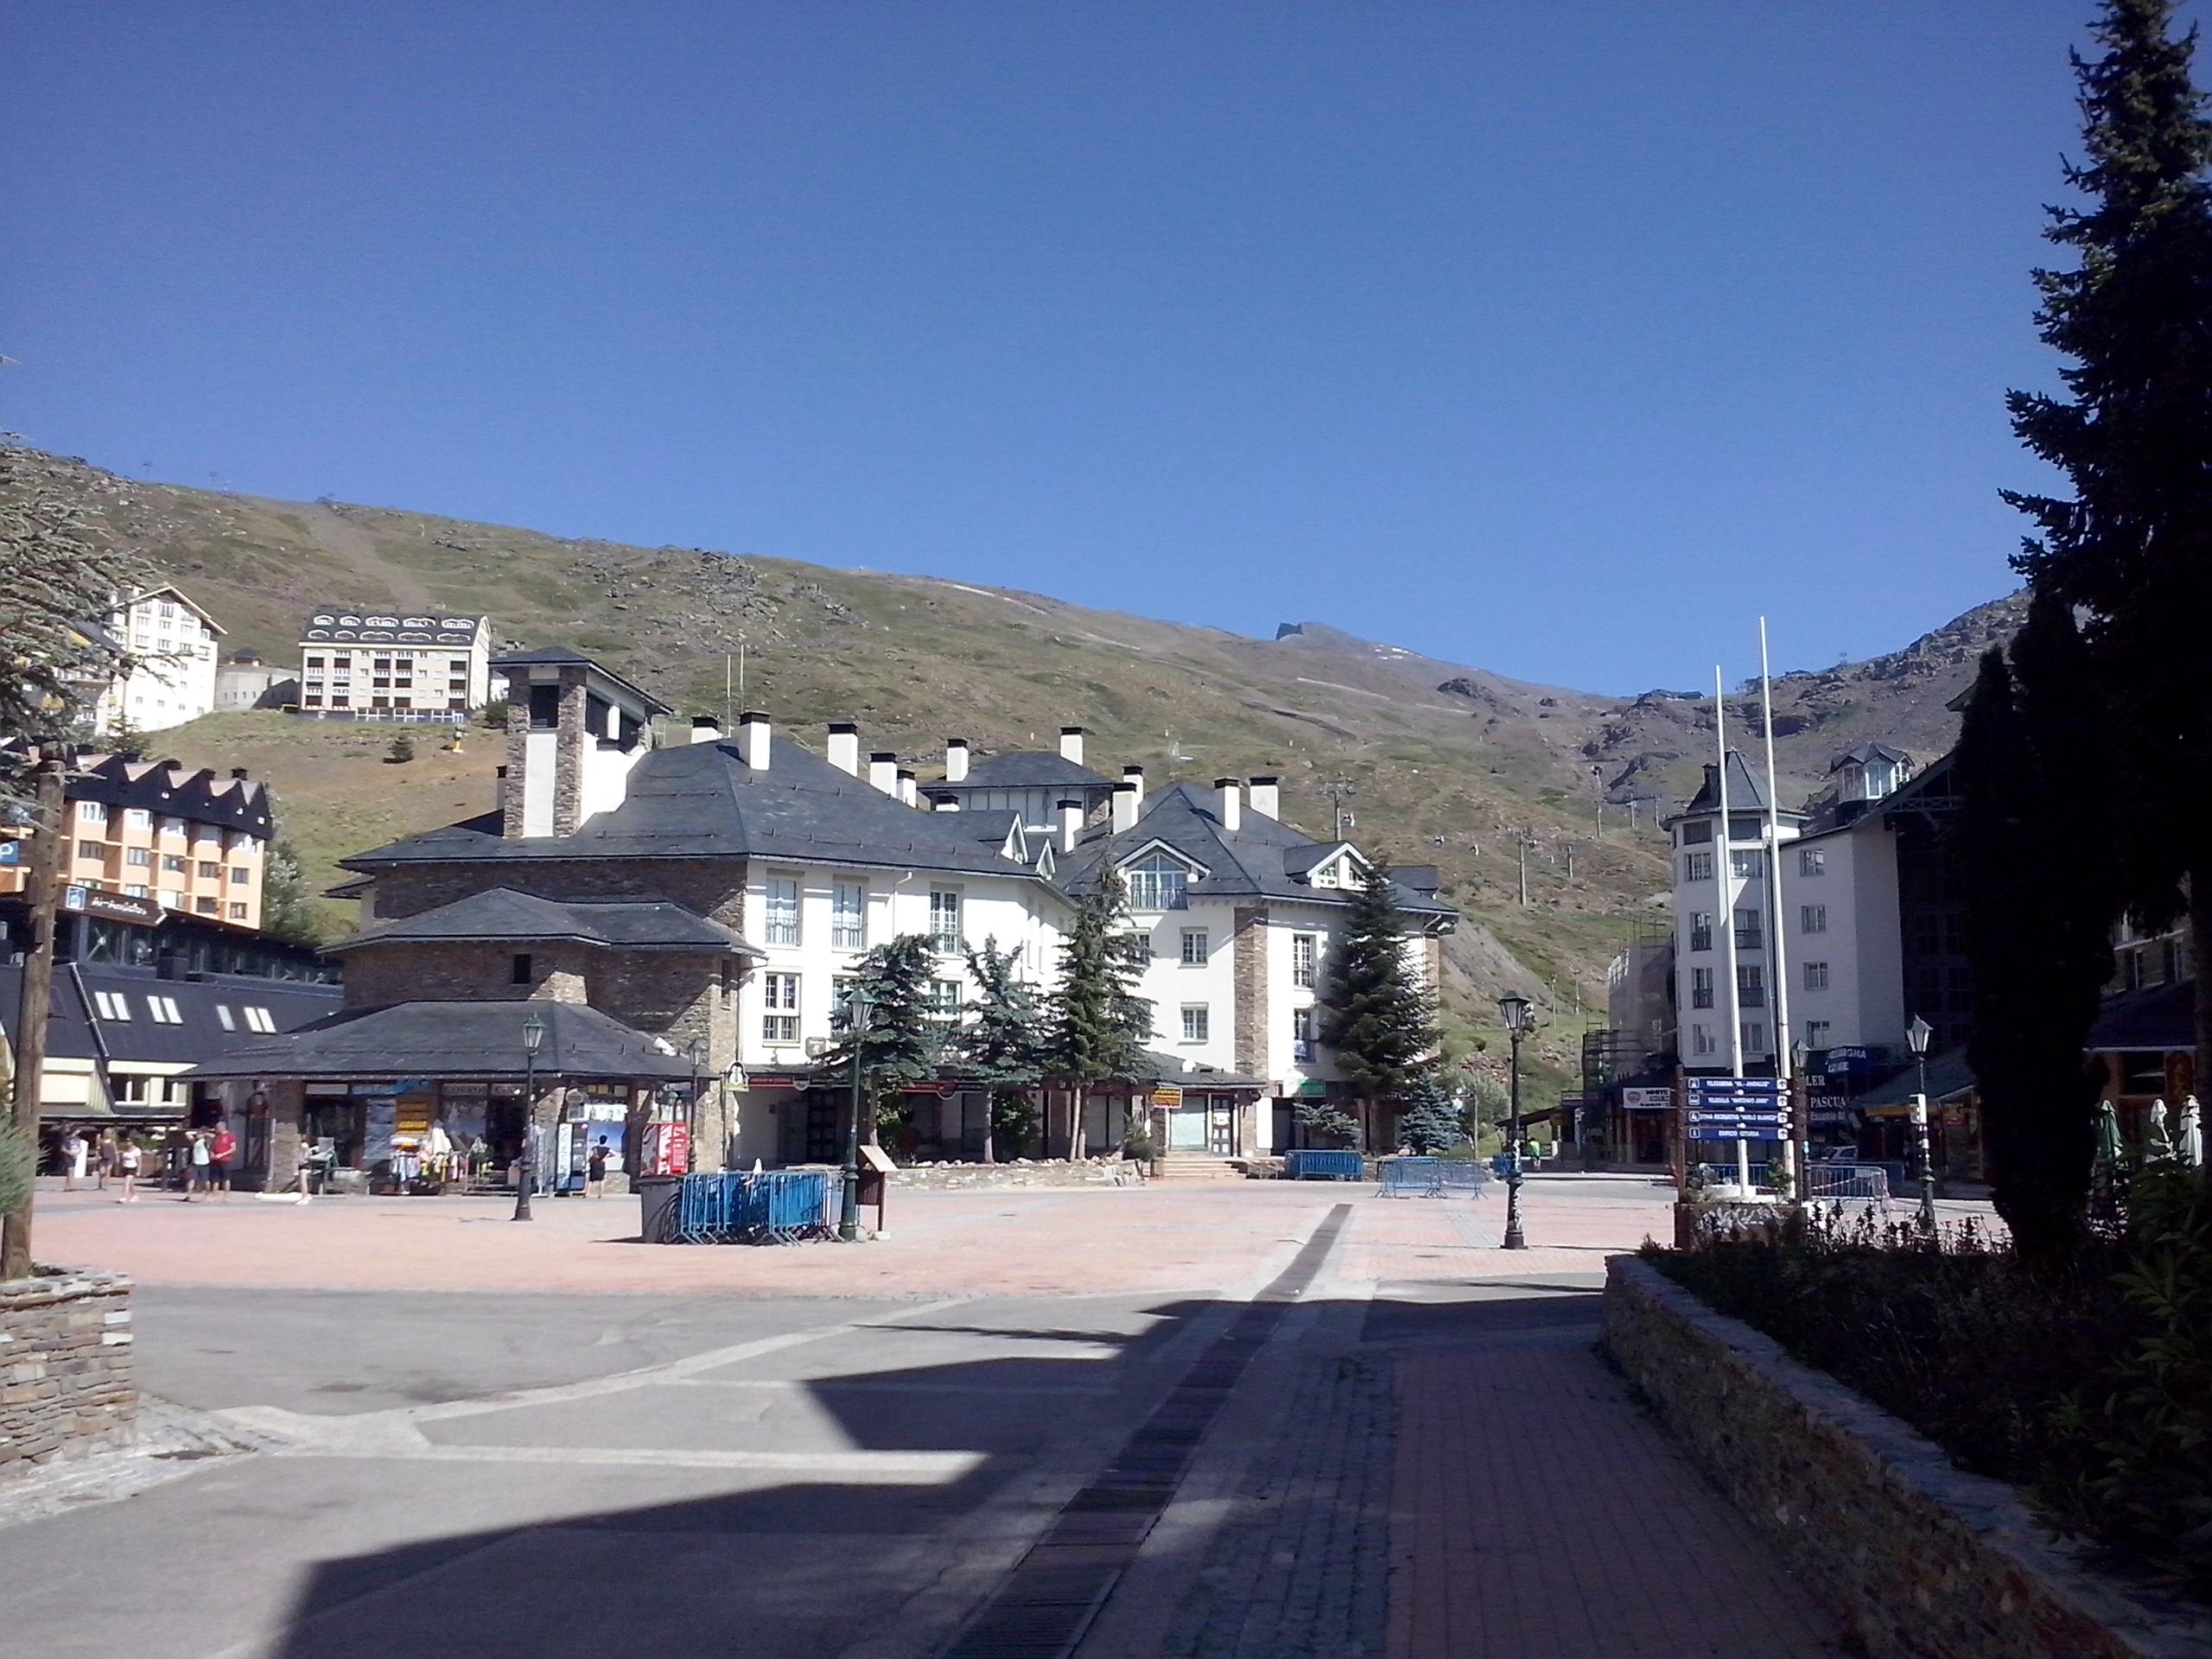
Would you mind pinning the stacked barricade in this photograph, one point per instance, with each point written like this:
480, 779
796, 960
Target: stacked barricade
1431, 1178
1314, 1164
776, 1206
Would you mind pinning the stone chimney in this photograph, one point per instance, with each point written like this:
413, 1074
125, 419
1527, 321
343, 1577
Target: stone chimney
756, 740
1134, 776
956, 760
1232, 803
883, 770
1266, 797
1126, 795
1071, 824
705, 728
1072, 744
906, 786
844, 746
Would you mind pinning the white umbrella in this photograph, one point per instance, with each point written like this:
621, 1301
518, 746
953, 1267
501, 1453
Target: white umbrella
2156, 1142
2192, 1136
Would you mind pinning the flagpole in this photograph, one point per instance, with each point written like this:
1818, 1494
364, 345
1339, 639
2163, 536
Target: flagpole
1783, 1067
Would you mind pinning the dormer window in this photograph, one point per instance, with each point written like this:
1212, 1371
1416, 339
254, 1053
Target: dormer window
1157, 882
1325, 875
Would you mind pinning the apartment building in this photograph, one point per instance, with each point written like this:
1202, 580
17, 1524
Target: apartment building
694, 909
158, 837
171, 644
364, 665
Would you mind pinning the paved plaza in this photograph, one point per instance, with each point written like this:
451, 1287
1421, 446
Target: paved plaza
1249, 1419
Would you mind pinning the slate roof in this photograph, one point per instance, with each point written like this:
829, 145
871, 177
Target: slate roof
1869, 752
1262, 859
197, 797
1027, 769
76, 1031
562, 656
701, 800
1746, 793
1949, 1077
2161, 1019
1173, 1069
503, 914
453, 1039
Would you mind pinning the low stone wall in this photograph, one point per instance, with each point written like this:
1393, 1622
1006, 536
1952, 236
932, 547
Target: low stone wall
1115, 1171
1915, 1556
67, 1384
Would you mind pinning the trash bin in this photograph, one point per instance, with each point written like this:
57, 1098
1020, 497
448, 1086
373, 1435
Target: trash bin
656, 1204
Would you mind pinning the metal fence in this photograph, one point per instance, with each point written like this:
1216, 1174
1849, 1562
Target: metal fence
1431, 1178
776, 1206
1314, 1164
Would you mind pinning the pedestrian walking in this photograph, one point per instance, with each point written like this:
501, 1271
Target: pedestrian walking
223, 1146
105, 1157
127, 1161
74, 1151
596, 1170
199, 1160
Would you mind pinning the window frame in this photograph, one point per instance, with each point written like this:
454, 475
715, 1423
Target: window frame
1204, 940
782, 897
780, 1008
1200, 1029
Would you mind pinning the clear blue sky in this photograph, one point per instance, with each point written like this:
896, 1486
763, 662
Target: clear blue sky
1561, 340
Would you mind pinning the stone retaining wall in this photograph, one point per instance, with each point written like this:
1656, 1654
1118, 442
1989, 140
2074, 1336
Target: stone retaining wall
1114, 1171
67, 1384
1915, 1556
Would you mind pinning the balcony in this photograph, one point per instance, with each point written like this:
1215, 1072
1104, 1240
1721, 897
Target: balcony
1701, 938
1301, 1049
1748, 938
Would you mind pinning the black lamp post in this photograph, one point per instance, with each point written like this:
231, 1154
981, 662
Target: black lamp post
848, 1216
1514, 1009
533, 1033
1801, 1118
696, 1053
1916, 1038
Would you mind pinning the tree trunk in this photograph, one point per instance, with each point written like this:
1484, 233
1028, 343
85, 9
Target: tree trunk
990, 1111
1077, 1099
30, 1022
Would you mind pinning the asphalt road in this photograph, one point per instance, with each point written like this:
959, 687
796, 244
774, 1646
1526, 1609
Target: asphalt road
568, 1475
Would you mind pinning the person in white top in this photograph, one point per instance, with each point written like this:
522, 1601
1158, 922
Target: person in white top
74, 1151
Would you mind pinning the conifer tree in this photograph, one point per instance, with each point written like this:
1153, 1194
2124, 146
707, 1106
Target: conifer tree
1376, 1014
902, 1042
1100, 1024
2039, 948
2132, 545
1431, 1123
287, 908
1003, 1046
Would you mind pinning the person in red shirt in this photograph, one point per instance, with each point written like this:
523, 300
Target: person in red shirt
220, 1151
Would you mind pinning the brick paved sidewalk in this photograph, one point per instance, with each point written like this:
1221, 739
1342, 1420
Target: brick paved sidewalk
1538, 1513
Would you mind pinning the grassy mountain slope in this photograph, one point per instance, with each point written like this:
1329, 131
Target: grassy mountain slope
1447, 764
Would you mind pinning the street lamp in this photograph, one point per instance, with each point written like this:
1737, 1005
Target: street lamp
1801, 1117
696, 1053
1514, 1009
848, 1217
1916, 1038
533, 1033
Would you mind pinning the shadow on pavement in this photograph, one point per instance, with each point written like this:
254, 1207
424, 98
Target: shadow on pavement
812, 1569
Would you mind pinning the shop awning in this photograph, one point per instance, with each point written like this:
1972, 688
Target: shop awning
1949, 1077
453, 1041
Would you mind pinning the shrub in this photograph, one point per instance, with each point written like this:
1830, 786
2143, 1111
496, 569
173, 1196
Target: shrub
1326, 1124
18, 1164
402, 750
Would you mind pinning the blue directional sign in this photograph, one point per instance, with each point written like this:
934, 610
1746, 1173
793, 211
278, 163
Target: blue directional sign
1733, 1129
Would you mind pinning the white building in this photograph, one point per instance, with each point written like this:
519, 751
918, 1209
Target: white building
366, 665
171, 644
247, 681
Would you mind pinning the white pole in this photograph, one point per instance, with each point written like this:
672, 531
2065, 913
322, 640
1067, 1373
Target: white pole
1725, 884
1783, 1067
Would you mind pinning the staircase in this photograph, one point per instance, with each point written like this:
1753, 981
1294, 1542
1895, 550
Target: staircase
1199, 1167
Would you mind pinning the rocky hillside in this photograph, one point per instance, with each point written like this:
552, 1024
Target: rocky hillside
1437, 762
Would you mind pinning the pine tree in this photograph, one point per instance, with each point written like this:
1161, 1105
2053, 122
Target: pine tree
1099, 1023
1431, 1123
288, 906
2039, 948
1003, 1044
1376, 1014
2134, 544
902, 1042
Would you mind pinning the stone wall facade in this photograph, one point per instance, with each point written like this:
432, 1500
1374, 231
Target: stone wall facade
1249, 965
67, 1383
1915, 1556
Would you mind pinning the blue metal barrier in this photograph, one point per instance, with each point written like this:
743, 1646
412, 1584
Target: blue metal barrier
1312, 1164
1431, 1178
776, 1206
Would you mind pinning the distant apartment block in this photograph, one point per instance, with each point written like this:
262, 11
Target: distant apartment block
364, 665
170, 678
159, 834
249, 680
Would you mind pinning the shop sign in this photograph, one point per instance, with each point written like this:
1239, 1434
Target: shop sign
1850, 1061
1168, 1096
1314, 1089
11, 851
1647, 1100
113, 907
